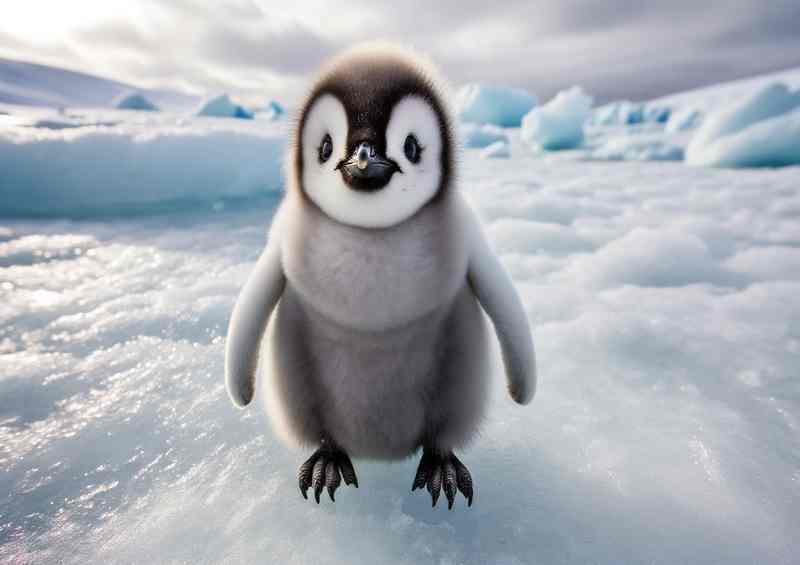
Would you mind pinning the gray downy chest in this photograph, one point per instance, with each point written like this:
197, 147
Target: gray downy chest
374, 279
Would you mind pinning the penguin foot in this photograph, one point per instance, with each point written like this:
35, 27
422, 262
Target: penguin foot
325, 469
443, 471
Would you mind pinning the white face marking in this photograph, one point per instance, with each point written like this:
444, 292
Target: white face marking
405, 193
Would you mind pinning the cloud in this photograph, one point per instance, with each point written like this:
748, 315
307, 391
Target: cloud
615, 49
293, 50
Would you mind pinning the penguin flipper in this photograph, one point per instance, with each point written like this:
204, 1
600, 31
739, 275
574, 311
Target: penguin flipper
495, 291
253, 308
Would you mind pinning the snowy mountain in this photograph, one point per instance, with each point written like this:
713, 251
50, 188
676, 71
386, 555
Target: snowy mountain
709, 97
31, 84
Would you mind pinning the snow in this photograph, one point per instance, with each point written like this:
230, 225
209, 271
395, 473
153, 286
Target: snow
75, 166
477, 135
715, 96
559, 123
663, 302
492, 104
223, 107
497, 150
40, 85
762, 129
135, 101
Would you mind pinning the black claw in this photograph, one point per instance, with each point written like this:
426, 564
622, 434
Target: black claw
463, 479
346, 467
332, 478
449, 483
318, 478
325, 469
435, 484
423, 471
304, 474
443, 471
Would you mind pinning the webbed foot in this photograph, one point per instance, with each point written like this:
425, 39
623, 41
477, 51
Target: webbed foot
439, 471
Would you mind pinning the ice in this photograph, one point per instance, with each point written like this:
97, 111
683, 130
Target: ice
559, 123
134, 101
497, 150
663, 302
654, 113
622, 112
760, 130
489, 104
625, 112
477, 135
684, 119
272, 110
89, 170
223, 107
637, 148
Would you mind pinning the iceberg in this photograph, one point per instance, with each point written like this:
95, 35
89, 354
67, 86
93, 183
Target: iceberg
90, 171
636, 148
619, 113
497, 150
223, 107
134, 101
683, 119
559, 123
477, 135
656, 114
759, 130
272, 110
498, 105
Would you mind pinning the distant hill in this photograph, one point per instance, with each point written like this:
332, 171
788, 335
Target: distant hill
31, 84
709, 97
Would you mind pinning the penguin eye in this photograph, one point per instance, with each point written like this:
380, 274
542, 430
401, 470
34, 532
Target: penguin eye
412, 149
326, 148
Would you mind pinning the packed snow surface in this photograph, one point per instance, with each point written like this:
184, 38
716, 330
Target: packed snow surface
762, 129
491, 104
559, 123
664, 305
135, 101
223, 107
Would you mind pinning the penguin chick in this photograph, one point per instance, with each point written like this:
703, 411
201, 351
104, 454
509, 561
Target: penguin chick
371, 286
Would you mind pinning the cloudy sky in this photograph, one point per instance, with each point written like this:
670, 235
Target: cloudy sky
257, 48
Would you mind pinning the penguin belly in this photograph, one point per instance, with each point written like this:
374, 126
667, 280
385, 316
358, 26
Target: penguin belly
378, 394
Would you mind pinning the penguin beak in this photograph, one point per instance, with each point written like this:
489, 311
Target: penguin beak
366, 170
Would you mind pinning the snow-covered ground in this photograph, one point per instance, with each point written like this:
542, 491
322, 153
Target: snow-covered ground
664, 304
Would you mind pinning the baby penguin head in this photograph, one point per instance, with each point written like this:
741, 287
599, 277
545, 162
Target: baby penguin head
373, 143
